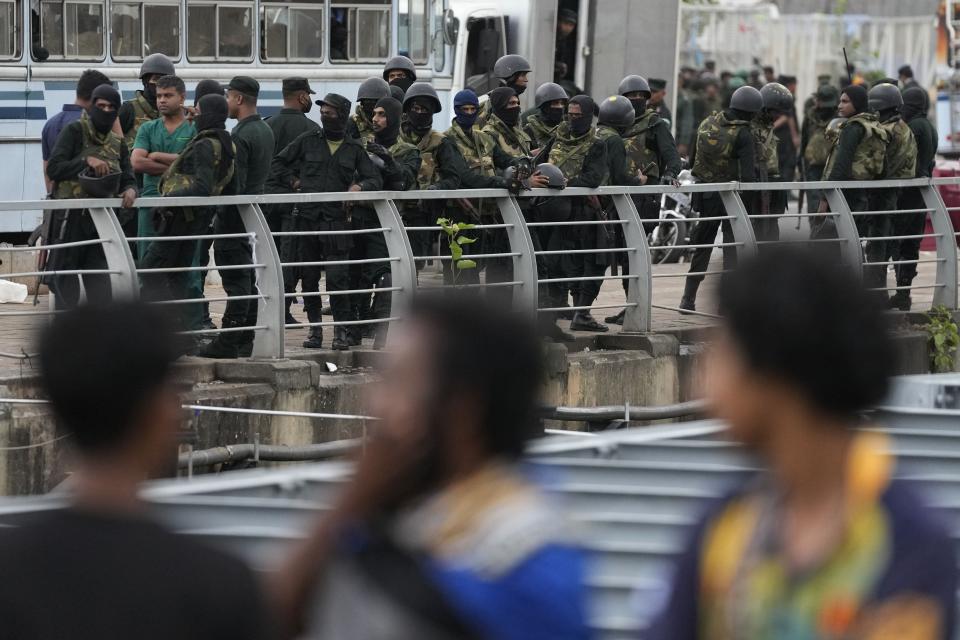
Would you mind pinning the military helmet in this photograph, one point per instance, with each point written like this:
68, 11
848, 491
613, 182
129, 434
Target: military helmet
156, 63
616, 111
99, 186
736, 82
555, 177
373, 89
400, 62
776, 97
510, 65
634, 83
834, 125
548, 92
423, 90
746, 99
883, 97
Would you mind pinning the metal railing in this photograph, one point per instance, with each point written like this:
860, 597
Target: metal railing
529, 278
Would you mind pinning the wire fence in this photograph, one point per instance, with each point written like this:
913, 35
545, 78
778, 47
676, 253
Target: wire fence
546, 252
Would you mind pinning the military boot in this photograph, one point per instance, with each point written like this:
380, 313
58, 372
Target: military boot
218, 349
315, 335
616, 319
689, 300
901, 300
341, 339
583, 321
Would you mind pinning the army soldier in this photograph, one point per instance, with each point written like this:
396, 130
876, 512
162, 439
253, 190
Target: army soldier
400, 72
658, 99
859, 154
581, 156
143, 106
916, 103
814, 145
723, 152
900, 163
511, 70
777, 101
254, 143
88, 161
550, 102
483, 158
399, 164
440, 167
204, 168
371, 90
615, 119
319, 161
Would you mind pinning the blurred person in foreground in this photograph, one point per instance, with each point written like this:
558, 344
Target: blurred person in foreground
441, 534
823, 543
100, 568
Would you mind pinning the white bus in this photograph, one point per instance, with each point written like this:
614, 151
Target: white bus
336, 44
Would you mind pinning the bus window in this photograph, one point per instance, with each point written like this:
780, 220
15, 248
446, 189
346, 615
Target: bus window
72, 30
140, 29
292, 32
231, 37
360, 31
10, 29
414, 30
439, 44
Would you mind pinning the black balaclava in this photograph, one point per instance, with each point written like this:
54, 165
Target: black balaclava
915, 104
393, 109
581, 124
205, 88
499, 98
858, 96
639, 105
421, 122
150, 91
213, 117
404, 82
512, 84
103, 120
368, 105
551, 115
335, 128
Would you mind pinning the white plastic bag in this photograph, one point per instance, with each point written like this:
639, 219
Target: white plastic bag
12, 291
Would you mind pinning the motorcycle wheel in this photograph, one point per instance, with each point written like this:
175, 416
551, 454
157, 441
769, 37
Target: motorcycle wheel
669, 247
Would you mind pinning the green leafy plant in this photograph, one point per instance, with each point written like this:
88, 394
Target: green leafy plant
456, 240
944, 339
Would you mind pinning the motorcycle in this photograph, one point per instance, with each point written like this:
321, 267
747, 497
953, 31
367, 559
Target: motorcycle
677, 220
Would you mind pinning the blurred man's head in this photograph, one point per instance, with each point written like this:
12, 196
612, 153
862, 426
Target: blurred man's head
801, 338
106, 370
463, 382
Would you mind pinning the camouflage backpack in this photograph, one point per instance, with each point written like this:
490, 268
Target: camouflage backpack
901, 157
400, 150
428, 162
604, 132
818, 146
174, 179
568, 152
635, 142
511, 140
105, 147
716, 139
478, 151
540, 132
868, 161
364, 126
765, 148
143, 111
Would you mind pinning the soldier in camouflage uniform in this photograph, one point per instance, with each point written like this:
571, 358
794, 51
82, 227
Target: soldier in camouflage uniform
815, 144
581, 155
540, 124
900, 163
484, 159
440, 164
724, 151
511, 70
860, 154
203, 169
777, 102
86, 145
916, 103
320, 161
399, 164
361, 123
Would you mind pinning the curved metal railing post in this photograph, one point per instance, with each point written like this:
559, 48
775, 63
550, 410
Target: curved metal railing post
740, 223
850, 250
116, 250
403, 272
946, 240
639, 312
268, 343
525, 264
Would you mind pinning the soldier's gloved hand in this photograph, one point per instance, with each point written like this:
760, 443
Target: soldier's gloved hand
380, 151
669, 179
514, 186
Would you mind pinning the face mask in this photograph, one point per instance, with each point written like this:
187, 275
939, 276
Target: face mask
150, 92
552, 115
510, 117
102, 120
464, 120
639, 106
209, 121
404, 83
579, 125
420, 122
368, 106
333, 128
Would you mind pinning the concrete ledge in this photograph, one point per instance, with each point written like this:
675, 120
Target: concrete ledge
281, 374
655, 344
